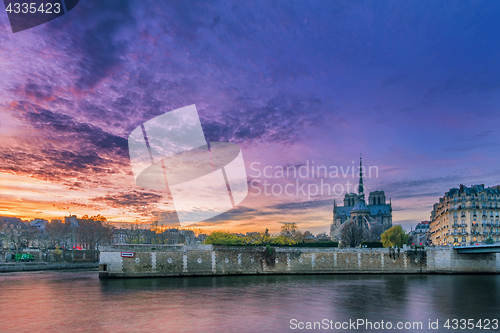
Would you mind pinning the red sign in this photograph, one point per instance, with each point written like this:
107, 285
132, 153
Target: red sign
127, 254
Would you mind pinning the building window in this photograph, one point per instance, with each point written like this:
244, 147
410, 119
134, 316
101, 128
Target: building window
463, 197
484, 213
455, 199
464, 239
484, 204
455, 239
482, 197
491, 214
455, 214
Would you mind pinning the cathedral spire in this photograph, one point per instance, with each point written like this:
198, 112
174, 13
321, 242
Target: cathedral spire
361, 187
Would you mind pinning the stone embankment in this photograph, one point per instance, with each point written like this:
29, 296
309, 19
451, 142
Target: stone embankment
191, 260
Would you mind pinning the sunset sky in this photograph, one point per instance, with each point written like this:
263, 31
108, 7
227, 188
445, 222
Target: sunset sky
412, 85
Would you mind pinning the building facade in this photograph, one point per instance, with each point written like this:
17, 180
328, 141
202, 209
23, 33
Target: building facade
421, 234
466, 215
375, 217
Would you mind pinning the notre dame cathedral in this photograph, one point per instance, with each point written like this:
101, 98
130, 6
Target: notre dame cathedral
374, 218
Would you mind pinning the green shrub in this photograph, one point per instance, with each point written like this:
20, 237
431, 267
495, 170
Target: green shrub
372, 244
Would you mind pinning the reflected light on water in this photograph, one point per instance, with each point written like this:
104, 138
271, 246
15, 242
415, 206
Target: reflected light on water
72, 301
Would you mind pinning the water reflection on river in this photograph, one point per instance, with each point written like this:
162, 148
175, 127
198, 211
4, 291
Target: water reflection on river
77, 301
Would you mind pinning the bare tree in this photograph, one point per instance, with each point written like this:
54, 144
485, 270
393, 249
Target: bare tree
376, 230
28, 235
58, 234
94, 233
351, 234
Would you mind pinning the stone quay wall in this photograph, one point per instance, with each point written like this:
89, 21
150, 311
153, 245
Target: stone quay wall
193, 260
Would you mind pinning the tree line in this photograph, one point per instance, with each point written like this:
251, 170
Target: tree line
89, 232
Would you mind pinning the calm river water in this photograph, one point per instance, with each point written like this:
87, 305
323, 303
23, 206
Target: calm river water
77, 301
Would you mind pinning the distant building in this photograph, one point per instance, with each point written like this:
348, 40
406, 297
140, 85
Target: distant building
375, 217
421, 234
174, 236
11, 232
308, 235
71, 220
40, 224
120, 236
466, 215
322, 237
201, 238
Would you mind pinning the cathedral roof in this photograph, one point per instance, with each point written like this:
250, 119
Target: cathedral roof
374, 210
360, 206
474, 189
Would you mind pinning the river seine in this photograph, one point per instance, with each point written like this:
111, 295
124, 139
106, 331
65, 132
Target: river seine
77, 301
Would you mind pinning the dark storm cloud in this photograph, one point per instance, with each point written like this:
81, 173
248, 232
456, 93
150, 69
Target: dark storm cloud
137, 199
164, 217
302, 205
282, 119
38, 92
95, 38
425, 187
235, 214
60, 125
58, 147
